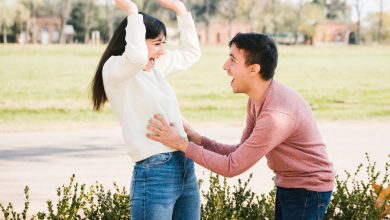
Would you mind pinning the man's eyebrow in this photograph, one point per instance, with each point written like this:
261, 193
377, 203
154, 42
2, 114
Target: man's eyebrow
232, 56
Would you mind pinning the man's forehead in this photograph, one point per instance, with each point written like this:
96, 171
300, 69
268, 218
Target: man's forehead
236, 52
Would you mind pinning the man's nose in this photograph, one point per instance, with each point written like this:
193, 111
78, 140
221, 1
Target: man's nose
226, 67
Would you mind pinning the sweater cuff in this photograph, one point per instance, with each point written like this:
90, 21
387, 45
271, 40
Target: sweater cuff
193, 151
185, 19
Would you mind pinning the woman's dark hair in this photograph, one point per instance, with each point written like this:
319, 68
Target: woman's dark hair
259, 49
116, 47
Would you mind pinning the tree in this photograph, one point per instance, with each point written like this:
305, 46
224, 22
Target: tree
148, 6
312, 13
22, 17
65, 11
248, 8
337, 10
7, 18
380, 23
299, 11
275, 14
229, 10
110, 18
204, 11
358, 5
87, 24
32, 5
77, 19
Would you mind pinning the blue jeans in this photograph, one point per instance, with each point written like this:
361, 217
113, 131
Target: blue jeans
302, 204
164, 186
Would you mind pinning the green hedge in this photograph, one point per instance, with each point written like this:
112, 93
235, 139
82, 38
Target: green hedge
352, 199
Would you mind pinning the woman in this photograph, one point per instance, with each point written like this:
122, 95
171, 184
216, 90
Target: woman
131, 76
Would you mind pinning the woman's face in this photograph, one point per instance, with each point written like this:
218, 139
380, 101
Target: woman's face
155, 50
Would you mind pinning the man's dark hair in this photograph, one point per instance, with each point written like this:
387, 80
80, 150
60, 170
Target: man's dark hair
259, 49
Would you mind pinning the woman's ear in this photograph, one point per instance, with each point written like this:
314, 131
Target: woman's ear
255, 69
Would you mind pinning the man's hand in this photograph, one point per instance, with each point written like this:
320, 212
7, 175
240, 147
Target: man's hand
127, 5
191, 133
159, 130
175, 5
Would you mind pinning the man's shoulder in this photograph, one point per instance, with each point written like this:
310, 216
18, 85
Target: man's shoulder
284, 99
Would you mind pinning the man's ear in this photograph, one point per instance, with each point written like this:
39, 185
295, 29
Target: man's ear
255, 69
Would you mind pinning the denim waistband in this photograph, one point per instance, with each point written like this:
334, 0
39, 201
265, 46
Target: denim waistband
174, 154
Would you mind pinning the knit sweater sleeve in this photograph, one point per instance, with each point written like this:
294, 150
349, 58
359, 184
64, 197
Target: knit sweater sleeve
225, 149
187, 53
119, 68
271, 129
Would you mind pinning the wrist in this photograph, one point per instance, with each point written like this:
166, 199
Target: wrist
183, 144
198, 140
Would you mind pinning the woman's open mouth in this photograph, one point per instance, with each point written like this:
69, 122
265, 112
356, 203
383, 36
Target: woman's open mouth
151, 61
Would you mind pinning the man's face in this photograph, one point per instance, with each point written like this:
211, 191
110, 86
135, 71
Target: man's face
236, 68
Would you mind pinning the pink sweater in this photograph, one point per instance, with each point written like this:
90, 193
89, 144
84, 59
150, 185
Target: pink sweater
281, 127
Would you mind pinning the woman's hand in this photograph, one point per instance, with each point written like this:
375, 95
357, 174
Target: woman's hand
159, 130
127, 5
175, 5
191, 133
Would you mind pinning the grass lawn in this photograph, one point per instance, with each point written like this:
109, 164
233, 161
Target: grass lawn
49, 85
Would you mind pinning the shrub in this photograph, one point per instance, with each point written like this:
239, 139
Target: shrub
241, 203
352, 199
357, 199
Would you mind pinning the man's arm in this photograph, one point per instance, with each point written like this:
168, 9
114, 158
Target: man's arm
220, 148
272, 128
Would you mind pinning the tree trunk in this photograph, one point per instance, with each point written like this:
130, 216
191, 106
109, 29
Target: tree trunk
274, 18
88, 10
33, 23
207, 20
110, 18
206, 25
380, 23
230, 21
5, 41
145, 4
66, 5
299, 15
358, 11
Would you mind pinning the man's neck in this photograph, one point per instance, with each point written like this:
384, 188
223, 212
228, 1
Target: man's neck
258, 89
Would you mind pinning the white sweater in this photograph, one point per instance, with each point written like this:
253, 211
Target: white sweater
136, 95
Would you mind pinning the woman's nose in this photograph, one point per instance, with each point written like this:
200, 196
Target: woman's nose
161, 51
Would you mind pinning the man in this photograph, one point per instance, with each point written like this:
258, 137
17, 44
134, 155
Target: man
280, 126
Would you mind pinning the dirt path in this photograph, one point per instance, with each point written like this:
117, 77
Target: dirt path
46, 160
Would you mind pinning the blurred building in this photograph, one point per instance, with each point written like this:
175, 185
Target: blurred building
48, 30
218, 31
334, 32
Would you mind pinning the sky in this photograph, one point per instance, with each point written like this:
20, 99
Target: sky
368, 6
